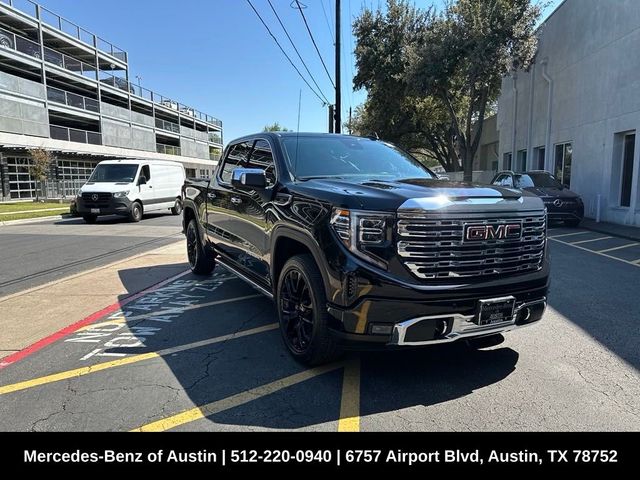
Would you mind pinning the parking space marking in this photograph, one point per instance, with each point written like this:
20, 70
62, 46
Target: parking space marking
197, 413
590, 240
618, 248
350, 402
569, 234
169, 311
66, 331
79, 372
597, 253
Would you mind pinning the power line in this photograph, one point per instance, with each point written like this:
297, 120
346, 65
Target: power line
285, 53
314, 43
324, 12
299, 56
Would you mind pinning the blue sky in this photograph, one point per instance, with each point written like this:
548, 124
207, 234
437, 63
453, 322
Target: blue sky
216, 56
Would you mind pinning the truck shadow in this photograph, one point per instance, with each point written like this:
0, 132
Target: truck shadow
209, 366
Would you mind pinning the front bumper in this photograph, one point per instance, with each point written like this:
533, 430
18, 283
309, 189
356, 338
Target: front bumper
450, 328
111, 206
565, 213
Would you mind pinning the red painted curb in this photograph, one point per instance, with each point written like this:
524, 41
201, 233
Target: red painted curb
40, 344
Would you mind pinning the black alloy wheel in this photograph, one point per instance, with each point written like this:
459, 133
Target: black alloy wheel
296, 306
200, 262
304, 319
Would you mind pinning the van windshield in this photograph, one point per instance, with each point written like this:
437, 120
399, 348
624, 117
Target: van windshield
114, 172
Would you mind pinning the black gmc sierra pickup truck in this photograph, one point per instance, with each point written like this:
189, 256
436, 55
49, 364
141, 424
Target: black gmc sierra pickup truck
360, 245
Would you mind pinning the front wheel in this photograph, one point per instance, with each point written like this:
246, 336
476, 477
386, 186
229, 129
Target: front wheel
201, 262
135, 215
177, 207
302, 312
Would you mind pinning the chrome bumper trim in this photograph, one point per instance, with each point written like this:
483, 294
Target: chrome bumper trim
463, 326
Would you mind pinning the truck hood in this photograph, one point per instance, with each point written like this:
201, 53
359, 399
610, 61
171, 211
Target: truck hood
389, 195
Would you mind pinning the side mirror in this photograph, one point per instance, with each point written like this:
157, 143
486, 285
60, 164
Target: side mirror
142, 181
249, 179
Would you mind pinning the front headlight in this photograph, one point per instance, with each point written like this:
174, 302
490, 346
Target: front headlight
79, 194
366, 234
121, 194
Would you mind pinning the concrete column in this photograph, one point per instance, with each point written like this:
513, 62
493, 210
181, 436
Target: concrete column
4, 178
635, 176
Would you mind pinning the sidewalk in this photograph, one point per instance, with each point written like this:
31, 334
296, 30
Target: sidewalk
622, 231
36, 313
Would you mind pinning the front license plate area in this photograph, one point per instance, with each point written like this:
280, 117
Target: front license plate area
495, 310
95, 210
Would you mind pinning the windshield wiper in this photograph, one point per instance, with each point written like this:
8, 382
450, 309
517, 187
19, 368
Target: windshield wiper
315, 177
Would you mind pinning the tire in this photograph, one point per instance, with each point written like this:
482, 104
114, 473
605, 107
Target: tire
135, 215
201, 261
572, 223
90, 219
302, 313
177, 208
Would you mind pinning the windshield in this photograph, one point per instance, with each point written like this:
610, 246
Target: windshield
336, 156
114, 172
542, 179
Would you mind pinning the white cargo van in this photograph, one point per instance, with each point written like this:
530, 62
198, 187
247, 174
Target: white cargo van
131, 188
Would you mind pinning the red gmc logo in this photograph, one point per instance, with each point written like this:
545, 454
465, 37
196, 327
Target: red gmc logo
498, 231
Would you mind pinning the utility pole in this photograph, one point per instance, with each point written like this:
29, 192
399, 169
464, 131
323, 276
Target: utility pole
349, 120
331, 120
338, 107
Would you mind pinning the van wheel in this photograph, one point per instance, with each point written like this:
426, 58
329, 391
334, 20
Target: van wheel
177, 208
201, 261
304, 320
135, 215
90, 219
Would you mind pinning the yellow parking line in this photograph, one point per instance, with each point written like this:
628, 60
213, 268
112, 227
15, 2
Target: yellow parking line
569, 234
350, 402
618, 248
596, 252
590, 240
197, 413
79, 372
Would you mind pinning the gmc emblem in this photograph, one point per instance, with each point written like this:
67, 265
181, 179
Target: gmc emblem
496, 231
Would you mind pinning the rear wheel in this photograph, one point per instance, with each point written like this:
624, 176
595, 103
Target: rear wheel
302, 312
177, 207
90, 218
200, 260
135, 215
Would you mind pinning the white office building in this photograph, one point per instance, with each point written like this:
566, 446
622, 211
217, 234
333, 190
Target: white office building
577, 110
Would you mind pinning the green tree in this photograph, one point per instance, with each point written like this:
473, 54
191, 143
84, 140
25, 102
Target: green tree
462, 56
275, 127
393, 110
40, 166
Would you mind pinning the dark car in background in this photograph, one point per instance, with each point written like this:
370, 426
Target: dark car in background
562, 204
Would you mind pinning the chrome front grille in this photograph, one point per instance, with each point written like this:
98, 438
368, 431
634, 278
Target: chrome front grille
432, 247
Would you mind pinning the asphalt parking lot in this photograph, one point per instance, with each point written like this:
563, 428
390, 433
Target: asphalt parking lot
205, 354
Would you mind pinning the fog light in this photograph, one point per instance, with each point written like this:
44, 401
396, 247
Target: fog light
380, 329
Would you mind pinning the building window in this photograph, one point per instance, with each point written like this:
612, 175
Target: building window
522, 161
628, 152
506, 161
562, 170
21, 185
538, 158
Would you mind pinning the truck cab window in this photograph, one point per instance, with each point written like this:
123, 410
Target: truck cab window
262, 158
238, 156
146, 172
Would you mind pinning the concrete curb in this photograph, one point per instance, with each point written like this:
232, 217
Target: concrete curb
624, 232
37, 220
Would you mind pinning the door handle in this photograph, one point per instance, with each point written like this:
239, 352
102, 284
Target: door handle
236, 200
